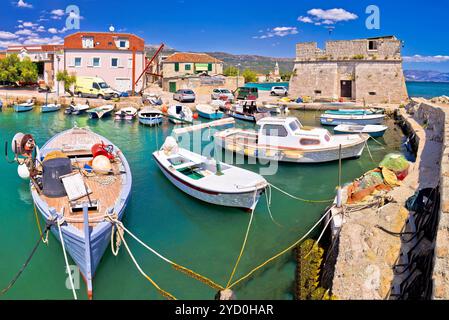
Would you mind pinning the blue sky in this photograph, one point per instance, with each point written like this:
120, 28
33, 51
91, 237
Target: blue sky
261, 27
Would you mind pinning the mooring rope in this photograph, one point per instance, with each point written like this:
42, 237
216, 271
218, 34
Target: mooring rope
39, 227
379, 143
72, 284
27, 261
268, 198
279, 254
244, 243
176, 266
369, 151
161, 291
298, 198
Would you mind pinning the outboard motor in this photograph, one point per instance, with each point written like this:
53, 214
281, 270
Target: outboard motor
53, 170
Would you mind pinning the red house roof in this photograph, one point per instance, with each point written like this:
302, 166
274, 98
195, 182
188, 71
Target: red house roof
103, 41
186, 57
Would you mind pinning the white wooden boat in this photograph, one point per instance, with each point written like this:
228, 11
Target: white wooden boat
208, 111
374, 131
51, 107
76, 109
364, 119
150, 116
208, 180
247, 110
128, 113
179, 114
67, 187
100, 112
285, 139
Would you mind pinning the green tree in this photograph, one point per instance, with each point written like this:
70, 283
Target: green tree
28, 70
231, 71
9, 68
285, 76
249, 75
68, 79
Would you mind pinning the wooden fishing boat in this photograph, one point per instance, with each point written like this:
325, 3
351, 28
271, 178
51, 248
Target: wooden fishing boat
247, 111
208, 111
76, 109
51, 107
24, 107
81, 179
358, 112
269, 108
100, 112
375, 131
365, 119
285, 139
150, 116
208, 180
128, 113
179, 114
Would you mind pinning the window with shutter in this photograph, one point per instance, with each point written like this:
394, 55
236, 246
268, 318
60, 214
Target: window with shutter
176, 66
209, 67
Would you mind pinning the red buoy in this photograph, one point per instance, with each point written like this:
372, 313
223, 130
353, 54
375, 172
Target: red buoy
100, 149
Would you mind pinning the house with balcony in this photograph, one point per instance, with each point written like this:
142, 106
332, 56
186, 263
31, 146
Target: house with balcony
118, 58
180, 66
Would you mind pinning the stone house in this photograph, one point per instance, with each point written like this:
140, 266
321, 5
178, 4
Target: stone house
365, 70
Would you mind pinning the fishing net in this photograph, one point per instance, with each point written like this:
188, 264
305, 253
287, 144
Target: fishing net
395, 162
362, 188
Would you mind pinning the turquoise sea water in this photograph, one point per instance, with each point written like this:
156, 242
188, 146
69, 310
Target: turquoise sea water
415, 89
203, 237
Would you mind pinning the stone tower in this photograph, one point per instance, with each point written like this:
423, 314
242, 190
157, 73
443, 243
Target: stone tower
277, 73
365, 70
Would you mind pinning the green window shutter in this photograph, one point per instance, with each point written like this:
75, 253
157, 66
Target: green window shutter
209, 67
188, 67
176, 66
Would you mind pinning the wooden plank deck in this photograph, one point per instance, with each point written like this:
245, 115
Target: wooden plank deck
105, 188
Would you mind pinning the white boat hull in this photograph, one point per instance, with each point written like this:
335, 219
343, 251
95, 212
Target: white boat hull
245, 200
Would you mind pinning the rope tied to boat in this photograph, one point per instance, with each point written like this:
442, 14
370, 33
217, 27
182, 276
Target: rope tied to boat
60, 222
299, 198
27, 261
174, 265
44, 240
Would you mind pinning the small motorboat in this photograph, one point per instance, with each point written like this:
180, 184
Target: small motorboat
207, 179
357, 112
269, 108
128, 113
375, 131
24, 107
79, 179
208, 111
152, 98
150, 116
180, 114
101, 112
247, 111
76, 109
51, 107
285, 139
353, 119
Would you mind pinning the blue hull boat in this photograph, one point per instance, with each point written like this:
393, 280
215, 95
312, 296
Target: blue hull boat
23, 107
374, 131
209, 112
150, 116
335, 120
82, 209
50, 108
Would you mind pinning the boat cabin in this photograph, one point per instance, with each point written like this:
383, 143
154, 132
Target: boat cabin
289, 132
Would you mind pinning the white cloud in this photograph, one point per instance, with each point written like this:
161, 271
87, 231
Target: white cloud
45, 40
29, 24
40, 29
7, 43
278, 32
25, 32
305, 19
5, 35
432, 59
58, 12
23, 4
52, 30
328, 17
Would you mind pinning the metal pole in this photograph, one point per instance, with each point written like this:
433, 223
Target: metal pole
339, 195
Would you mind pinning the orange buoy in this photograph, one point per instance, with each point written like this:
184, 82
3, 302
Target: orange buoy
195, 116
164, 108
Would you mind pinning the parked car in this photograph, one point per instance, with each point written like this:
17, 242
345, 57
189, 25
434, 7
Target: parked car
245, 93
93, 87
279, 91
221, 93
184, 95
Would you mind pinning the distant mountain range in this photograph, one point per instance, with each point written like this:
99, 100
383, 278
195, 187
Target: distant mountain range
264, 65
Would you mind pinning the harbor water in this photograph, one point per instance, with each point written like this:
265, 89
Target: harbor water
202, 237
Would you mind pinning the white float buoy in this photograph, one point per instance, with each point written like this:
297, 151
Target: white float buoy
23, 172
16, 142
